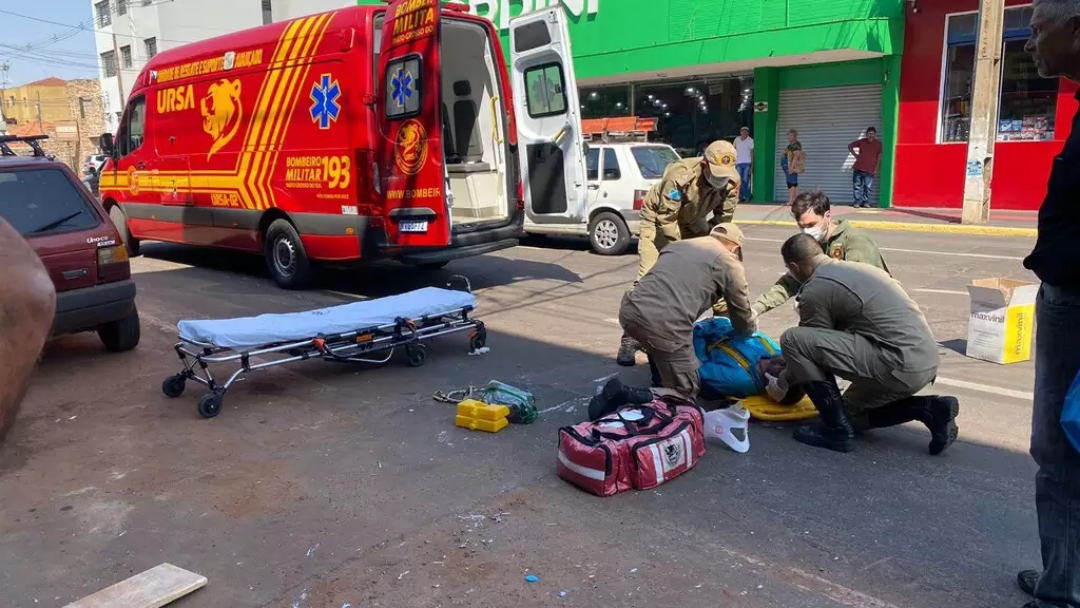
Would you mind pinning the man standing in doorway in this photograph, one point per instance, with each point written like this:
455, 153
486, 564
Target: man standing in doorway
1055, 47
744, 161
867, 153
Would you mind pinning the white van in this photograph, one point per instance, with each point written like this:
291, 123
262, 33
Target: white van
619, 175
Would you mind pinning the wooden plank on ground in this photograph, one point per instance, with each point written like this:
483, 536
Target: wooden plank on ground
154, 588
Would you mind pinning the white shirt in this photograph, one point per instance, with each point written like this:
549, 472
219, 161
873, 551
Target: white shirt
744, 150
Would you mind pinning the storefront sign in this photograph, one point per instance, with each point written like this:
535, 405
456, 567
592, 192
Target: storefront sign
761, 106
499, 11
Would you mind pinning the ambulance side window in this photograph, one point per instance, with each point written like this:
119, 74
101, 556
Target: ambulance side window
133, 131
545, 93
403, 87
376, 43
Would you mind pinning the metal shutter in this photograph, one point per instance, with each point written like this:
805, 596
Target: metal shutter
827, 119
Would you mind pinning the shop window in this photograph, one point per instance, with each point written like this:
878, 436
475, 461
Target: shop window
544, 94
1028, 102
592, 164
692, 114
605, 102
611, 165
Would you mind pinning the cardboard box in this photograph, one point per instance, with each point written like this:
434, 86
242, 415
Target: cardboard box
1002, 320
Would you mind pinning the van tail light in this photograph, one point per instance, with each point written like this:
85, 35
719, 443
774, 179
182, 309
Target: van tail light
520, 196
454, 6
113, 263
639, 199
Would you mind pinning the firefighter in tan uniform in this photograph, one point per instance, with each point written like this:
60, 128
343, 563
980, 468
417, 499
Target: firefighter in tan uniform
856, 322
678, 207
689, 277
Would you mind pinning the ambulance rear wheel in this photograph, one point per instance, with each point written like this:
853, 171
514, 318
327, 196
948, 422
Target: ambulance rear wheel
286, 258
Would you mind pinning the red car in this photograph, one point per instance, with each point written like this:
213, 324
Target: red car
71, 233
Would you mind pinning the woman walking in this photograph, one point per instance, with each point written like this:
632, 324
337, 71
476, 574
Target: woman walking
793, 162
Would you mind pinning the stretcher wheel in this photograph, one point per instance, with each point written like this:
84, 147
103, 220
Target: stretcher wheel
478, 340
416, 354
174, 386
210, 404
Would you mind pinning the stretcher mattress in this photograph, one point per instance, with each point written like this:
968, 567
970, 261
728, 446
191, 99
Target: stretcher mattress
247, 332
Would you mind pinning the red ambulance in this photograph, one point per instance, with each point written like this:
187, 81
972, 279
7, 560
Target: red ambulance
370, 132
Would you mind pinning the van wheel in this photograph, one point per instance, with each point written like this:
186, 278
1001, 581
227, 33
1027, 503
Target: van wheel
123, 335
608, 234
119, 219
286, 258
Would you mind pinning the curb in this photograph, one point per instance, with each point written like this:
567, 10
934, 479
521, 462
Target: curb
918, 227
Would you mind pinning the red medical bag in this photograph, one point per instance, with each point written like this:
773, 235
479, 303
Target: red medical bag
639, 447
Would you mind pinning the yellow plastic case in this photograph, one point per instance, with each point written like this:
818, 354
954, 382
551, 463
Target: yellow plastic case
476, 424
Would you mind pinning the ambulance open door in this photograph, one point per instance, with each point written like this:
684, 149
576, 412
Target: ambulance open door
548, 114
410, 144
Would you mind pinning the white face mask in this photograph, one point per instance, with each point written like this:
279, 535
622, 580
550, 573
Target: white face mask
718, 183
815, 231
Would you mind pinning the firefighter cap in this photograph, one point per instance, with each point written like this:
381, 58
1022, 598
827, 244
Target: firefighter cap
728, 232
721, 158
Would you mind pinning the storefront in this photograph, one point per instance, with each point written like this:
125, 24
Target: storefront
1034, 113
704, 70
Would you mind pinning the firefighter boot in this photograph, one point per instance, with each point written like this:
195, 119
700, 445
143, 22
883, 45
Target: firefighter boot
655, 379
628, 348
834, 431
614, 395
936, 412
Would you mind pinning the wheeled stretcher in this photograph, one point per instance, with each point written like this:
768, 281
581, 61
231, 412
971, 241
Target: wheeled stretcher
361, 332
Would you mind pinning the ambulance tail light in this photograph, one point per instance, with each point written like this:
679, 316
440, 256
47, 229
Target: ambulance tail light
456, 7
520, 204
639, 199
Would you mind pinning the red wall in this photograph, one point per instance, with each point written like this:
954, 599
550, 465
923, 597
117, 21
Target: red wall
929, 174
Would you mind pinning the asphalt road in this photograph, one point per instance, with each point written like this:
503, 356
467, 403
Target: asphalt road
324, 485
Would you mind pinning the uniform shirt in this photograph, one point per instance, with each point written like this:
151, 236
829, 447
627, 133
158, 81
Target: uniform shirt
1052, 260
679, 204
845, 243
688, 278
869, 153
744, 150
866, 301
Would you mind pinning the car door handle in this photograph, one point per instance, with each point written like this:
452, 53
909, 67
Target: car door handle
594, 186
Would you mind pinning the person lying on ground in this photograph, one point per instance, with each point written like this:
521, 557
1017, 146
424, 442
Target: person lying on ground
813, 214
689, 277
27, 306
856, 322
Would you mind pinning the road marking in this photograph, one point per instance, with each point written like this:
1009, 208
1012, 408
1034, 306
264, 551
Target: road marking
615, 321
985, 256
986, 388
351, 296
951, 292
919, 227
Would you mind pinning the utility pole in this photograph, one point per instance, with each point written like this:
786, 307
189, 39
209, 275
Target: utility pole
39, 125
4, 67
982, 130
119, 75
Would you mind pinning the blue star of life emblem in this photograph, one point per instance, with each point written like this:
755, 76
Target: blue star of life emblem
326, 108
402, 87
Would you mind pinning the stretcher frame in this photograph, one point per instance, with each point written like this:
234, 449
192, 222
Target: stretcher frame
356, 346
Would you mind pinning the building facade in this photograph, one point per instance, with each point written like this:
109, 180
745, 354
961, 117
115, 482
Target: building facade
1034, 113
130, 32
71, 114
39, 101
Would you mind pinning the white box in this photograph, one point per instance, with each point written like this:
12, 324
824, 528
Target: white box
1002, 320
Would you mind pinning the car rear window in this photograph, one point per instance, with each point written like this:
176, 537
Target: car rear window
43, 201
652, 160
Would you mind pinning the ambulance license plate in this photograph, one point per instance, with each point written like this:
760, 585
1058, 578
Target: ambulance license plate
412, 226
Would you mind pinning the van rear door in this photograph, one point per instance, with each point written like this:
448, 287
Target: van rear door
410, 119
548, 117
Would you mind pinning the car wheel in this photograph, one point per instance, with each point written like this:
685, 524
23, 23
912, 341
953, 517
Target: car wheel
123, 335
286, 257
608, 234
119, 219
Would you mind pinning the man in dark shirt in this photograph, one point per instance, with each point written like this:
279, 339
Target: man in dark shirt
1055, 46
867, 153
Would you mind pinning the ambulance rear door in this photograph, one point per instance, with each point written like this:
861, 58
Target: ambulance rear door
547, 108
409, 104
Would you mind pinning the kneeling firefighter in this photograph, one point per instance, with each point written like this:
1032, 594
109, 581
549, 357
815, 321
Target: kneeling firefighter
689, 277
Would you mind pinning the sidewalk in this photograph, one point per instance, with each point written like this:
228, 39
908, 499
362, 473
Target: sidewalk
911, 219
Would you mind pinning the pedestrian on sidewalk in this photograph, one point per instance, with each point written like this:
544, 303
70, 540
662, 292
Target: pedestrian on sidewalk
744, 162
679, 207
856, 323
1055, 46
793, 162
867, 152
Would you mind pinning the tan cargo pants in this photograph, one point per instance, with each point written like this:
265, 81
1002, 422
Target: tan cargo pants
812, 353
676, 362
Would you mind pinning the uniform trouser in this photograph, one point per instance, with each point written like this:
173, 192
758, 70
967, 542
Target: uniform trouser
812, 354
674, 360
1057, 483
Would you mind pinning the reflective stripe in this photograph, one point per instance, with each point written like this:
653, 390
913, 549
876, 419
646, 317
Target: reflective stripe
658, 462
597, 474
734, 354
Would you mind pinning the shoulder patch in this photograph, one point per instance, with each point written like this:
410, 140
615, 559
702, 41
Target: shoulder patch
674, 194
837, 252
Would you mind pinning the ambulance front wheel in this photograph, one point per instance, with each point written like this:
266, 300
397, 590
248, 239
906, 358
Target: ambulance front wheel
119, 219
286, 258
